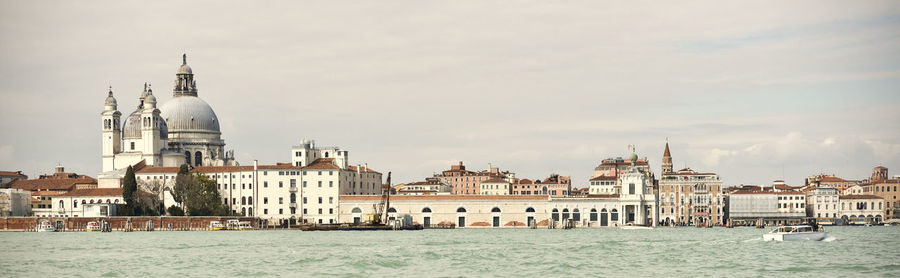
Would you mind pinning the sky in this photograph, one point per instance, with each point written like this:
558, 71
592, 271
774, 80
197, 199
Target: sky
752, 90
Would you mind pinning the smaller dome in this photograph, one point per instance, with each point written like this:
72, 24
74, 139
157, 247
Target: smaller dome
110, 100
132, 125
184, 69
151, 99
633, 157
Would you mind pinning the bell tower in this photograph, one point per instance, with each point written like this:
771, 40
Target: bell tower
150, 130
111, 132
667, 160
184, 80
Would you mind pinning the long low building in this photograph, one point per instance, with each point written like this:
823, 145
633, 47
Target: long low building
510, 211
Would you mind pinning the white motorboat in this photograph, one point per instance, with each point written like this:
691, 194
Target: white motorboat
45, 226
92, 227
802, 232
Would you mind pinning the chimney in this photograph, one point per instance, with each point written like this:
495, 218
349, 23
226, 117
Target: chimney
255, 165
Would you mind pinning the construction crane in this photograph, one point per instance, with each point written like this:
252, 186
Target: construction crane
381, 212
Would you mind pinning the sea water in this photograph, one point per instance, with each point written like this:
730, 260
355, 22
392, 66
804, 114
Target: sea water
674, 252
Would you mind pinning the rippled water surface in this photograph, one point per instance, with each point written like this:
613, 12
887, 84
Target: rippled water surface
856, 251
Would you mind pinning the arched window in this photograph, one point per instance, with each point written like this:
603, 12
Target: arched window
92, 201
250, 202
326, 154
565, 213
293, 197
61, 204
108, 202
357, 210
555, 215
243, 201
187, 157
495, 209
198, 159
426, 209
83, 202
593, 216
243, 211
529, 209
392, 210
576, 215
614, 215
461, 209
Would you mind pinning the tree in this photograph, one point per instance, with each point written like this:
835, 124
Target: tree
201, 197
175, 211
181, 183
129, 191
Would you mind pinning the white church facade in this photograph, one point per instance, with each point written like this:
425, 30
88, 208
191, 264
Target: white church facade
184, 130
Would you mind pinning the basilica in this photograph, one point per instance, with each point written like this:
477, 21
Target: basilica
184, 130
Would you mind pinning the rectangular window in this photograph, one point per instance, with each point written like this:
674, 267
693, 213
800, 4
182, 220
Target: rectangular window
280, 184
320, 173
265, 200
320, 200
304, 211
266, 184
330, 183
265, 211
280, 200
331, 200
330, 211
304, 200
280, 211
320, 183
320, 212
293, 183
331, 173
304, 183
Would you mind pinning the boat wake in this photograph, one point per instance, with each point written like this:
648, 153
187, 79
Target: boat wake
829, 239
753, 239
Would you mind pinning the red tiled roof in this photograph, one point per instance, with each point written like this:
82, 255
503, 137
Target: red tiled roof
831, 179
861, 197
11, 174
94, 192
603, 178
51, 183
365, 169
322, 164
157, 170
495, 180
221, 169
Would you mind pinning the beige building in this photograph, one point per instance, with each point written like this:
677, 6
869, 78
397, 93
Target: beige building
862, 209
823, 204
15, 202
495, 186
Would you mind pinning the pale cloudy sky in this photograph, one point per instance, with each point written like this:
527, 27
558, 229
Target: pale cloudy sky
754, 91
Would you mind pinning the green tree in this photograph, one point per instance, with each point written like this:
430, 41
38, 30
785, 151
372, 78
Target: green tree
181, 183
202, 198
175, 211
129, 193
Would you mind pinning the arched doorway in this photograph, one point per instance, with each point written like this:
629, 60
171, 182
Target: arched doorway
461, 217
357, 215
593, 215
555, 215
565, 214
426, 217
614, 216
576, 215
495, 216
529, 217
604, 218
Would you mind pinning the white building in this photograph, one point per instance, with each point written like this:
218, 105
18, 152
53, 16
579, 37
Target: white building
862, 209
88, 202
602, 185
184, 130
282, 191
823, 204
773, 208
495, 186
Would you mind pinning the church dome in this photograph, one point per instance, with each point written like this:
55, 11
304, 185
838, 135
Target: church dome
131, 128
184, 69
189, 114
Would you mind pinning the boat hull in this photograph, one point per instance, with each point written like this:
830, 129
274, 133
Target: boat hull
812, 236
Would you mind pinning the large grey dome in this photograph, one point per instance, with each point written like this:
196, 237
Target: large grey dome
189, 114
